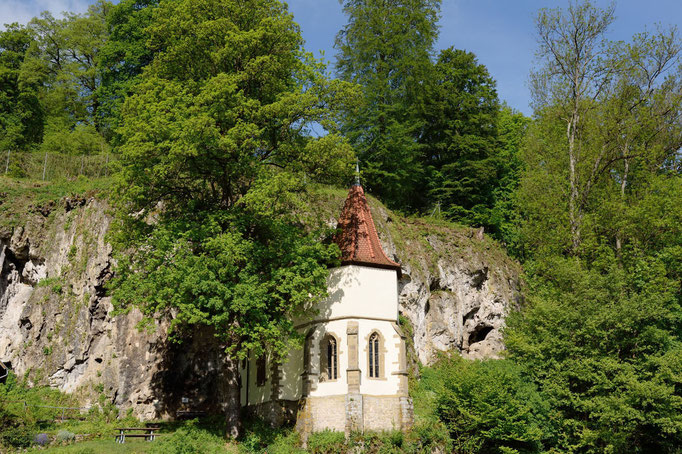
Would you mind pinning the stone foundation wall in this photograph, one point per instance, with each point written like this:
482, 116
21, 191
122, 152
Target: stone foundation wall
382, 413
354, 412
278, 413
318, 413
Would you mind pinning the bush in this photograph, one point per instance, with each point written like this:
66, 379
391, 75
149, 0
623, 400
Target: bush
287, 441
41, 440
259, 436
428, 437
392, 442
190, 439
64, 436
326, 442
17, 437
488, 406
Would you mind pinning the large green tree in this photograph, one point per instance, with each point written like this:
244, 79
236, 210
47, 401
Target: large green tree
21, 115
123, 57
599, 201
215, 157
460, 137
66, 57
386, 48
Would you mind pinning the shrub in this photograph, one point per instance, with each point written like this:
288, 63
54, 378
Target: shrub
287, 441
427, 437
326, 442
190, 439
17, 437
41, 440
64, 436
259, 435
489, 406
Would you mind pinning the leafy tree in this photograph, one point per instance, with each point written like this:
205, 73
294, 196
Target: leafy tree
65, 59
504, 215
601, 234
123, 57
602, 345
459, 137
214, 158
21, 114
386, 48
584, 150
572, 47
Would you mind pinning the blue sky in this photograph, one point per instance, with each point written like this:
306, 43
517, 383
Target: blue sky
500, 32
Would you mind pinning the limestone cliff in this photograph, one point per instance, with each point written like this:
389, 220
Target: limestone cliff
457, 285
57, 327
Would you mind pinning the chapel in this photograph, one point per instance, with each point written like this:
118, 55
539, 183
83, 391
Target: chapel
351, 374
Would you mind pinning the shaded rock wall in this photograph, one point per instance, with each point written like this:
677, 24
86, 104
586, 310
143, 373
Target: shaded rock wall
57, 327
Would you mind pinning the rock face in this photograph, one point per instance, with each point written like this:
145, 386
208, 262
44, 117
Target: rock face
57, 325
457, 286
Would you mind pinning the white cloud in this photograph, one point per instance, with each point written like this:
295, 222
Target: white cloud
23, 10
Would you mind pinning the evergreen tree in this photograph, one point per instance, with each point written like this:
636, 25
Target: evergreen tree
460, 138
386, 48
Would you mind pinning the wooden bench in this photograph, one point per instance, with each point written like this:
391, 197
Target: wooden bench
149, 433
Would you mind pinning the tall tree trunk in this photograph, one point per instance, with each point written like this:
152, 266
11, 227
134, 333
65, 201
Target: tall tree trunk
233, 422
623, 185
573, 198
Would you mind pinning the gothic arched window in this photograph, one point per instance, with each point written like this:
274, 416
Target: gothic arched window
329, 358
332, 359
375, 365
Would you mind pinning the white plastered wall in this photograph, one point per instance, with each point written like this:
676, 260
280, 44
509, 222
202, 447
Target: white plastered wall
386, 385
363, 294
359, 292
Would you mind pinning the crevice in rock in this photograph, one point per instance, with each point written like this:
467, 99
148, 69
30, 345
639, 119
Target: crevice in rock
25, 325
12, 261
479, 277
471, 314
427, 307
479, 334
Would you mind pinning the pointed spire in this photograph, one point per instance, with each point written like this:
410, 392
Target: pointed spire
357, 237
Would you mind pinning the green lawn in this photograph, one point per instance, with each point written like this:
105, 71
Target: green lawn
108, 446
99, 446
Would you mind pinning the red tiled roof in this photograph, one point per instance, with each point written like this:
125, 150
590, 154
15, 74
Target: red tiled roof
358, 239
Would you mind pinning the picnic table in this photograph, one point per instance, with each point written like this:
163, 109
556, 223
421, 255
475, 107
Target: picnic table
149, 433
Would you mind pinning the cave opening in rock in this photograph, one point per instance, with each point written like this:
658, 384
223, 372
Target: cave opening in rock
479, 334
5, 368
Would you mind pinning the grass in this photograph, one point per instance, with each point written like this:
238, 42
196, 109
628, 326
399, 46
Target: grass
98, 446
20, 197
